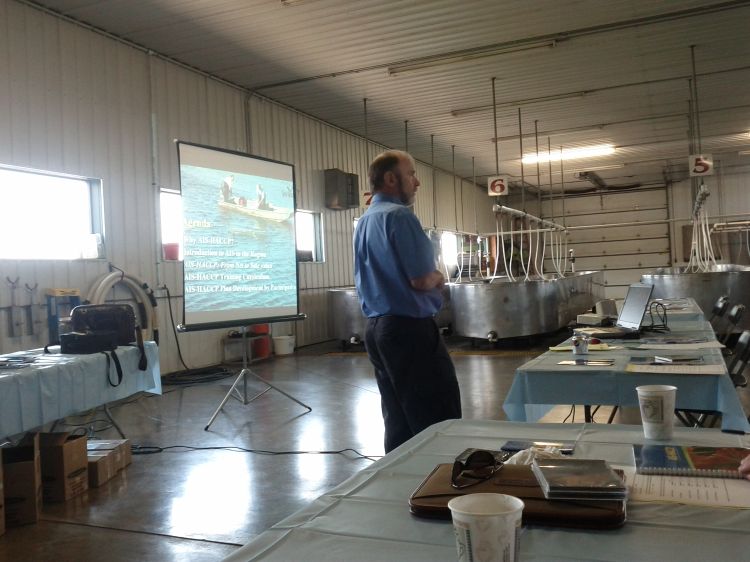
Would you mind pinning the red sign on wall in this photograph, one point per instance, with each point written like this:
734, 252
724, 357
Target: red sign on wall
497, 185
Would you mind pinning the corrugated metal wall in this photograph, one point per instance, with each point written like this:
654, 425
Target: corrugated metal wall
78, 102
85, 104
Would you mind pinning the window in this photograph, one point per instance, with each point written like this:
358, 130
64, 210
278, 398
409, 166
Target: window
170, 206
309, 236
449, 244
49, 216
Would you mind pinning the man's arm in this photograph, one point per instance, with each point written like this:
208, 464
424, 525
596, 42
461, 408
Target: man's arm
434, 279
745, 467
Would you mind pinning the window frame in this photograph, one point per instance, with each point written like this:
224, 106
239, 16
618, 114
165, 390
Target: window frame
96, 227
318, 252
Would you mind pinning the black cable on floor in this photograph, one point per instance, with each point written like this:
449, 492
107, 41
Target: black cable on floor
571, 413
153, 449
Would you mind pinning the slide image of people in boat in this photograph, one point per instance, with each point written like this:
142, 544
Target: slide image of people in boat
239, 242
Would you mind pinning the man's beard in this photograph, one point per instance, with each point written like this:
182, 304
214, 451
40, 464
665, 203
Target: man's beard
405, 199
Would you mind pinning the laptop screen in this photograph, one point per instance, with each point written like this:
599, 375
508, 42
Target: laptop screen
634, 307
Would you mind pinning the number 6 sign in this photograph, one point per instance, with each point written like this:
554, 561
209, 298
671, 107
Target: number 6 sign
701, 165
497, 185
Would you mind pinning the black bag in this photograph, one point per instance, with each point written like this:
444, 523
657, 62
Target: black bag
96, 318
101, 328
79, 343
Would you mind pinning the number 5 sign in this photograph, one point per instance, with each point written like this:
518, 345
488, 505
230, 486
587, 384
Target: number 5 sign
497, 185
701, 165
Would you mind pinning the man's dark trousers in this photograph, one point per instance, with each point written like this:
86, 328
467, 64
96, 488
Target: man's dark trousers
415, 375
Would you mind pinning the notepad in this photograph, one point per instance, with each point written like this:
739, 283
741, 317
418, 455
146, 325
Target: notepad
711, 492
711, 462
675, 369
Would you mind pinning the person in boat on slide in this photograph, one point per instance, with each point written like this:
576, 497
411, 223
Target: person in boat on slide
262, 201
226, 189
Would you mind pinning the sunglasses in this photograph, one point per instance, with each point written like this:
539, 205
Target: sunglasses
478, 466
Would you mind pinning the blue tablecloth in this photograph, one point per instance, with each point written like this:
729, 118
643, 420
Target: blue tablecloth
70, 384
541, 383
367, 517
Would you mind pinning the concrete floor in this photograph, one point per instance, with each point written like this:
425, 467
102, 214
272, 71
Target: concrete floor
200, 505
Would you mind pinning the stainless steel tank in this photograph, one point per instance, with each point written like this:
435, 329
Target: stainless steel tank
345, 316
347, 323
505, 309
705, 288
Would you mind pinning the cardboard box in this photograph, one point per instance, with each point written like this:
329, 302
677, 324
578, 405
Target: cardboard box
119, 448
101, 467
64, 466
22, 482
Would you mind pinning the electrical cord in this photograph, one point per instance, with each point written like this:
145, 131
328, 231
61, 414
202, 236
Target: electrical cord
174, 330
661, 313
571, 413
153, 449
189, 376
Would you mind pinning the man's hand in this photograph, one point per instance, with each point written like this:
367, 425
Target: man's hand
434, 279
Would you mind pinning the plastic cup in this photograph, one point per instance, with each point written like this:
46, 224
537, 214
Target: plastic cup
657, 410
580, 345
487, 527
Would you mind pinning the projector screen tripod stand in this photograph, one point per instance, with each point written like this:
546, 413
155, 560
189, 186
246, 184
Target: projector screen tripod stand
234, 391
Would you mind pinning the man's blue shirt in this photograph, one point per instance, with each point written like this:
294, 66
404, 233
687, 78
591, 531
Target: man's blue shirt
390, 249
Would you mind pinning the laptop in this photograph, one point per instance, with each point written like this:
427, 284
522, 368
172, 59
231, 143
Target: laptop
629, 320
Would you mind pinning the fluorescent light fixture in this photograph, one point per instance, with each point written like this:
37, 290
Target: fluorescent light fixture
570, 154
593, 168
465, 55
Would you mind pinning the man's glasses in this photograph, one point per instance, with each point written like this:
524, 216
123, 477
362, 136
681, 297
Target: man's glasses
478, 466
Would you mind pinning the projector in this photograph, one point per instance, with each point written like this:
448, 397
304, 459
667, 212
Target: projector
591, 319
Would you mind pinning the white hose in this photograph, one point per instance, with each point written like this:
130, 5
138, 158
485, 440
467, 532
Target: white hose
103, 284
508, 271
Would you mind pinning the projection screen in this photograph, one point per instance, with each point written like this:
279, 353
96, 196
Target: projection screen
239, 251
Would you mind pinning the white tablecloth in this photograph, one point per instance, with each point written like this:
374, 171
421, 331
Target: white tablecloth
367, 517
39, 394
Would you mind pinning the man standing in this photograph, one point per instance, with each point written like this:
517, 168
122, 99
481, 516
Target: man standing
400, 292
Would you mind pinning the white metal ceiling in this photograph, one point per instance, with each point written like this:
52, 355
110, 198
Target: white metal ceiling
617, 73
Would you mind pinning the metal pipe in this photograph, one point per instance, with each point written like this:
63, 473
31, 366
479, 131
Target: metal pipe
538, 174
613, 225
406, 135
364, 100
695, 99
453, 171
562, 186
474, 181
520, 148
522, 214
494, 119
434, 187
549, 166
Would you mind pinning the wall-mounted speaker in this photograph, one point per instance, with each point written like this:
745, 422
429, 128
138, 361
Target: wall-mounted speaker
342, 189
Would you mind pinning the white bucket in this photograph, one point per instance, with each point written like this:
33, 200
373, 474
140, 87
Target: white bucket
283, 345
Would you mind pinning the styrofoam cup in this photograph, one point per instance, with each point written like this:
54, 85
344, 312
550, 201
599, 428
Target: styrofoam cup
656, 402
487, 527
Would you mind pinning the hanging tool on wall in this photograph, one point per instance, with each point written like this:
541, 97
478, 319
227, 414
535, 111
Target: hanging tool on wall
33, 323
15, 323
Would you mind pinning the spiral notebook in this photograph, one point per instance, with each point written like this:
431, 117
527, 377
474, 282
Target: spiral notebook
676, 460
